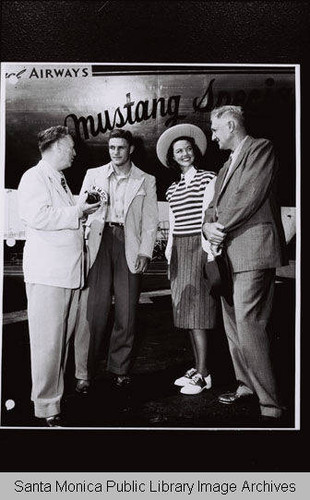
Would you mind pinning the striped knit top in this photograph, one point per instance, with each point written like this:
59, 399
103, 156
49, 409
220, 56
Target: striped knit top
186, 200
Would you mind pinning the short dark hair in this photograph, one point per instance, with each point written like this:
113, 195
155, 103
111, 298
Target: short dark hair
197, 153
49, 136
121, 134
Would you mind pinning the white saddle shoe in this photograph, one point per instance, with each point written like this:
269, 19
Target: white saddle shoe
197, 384
186, 377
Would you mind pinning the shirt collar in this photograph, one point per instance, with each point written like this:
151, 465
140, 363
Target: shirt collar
235, 153
189, 175
111, 171
51, 171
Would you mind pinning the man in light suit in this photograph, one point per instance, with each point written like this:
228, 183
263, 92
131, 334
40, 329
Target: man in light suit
120, 236
52, 265
243, 220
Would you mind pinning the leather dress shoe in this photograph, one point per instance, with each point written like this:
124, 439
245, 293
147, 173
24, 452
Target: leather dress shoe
82, 387
232, 397
121, 381
54, 421
280, 420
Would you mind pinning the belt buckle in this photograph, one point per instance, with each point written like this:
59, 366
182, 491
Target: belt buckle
115, 224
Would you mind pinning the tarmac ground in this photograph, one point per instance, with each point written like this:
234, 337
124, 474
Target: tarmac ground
162, 353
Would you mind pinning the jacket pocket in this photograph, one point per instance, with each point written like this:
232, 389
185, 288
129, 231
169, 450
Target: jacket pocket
141, 192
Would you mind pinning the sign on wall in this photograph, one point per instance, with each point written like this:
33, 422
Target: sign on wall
93, 99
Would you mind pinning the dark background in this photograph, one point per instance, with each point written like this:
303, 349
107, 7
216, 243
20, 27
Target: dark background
160, 31
267, 95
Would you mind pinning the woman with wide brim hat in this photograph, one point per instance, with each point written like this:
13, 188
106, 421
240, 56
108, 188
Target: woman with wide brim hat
181, 148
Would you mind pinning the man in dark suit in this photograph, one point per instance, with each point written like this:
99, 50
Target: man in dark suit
244, 221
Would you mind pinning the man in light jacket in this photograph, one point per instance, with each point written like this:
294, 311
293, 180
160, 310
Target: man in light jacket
120, 236
53, 266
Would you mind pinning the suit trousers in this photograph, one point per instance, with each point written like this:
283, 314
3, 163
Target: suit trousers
110, 275
81, 338
246, 325
51, 318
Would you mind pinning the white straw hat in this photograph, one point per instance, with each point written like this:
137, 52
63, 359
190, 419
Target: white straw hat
183, 129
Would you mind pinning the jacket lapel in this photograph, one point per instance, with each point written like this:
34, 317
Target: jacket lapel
240, 156
102, 179
66, 196
135, 181
220, 180
225, 181
223, 173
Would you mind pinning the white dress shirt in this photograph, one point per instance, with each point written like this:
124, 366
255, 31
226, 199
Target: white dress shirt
233, 157
118, 186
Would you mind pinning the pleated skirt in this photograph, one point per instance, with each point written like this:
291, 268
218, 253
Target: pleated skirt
193, 306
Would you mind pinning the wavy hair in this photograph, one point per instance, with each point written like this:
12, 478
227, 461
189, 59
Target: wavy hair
174, 164
47, 137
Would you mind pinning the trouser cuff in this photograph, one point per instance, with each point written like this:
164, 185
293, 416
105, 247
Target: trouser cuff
44, 411
271, 411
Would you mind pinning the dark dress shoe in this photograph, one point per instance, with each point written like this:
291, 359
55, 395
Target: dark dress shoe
121, 381
272, 421
54, 421
230, 398
82, 387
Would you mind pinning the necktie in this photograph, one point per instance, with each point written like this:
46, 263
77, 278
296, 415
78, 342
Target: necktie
64, 184
223, 183
227, 170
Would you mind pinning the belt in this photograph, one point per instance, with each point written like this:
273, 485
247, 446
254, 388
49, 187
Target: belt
114, 224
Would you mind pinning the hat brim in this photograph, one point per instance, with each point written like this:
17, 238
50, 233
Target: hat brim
183, 129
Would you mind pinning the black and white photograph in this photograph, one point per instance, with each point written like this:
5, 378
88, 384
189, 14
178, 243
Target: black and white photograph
136, 198
151, 177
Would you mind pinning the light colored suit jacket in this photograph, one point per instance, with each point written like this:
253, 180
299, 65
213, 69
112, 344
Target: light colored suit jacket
140, 213
247, 208
53, 252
